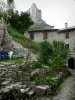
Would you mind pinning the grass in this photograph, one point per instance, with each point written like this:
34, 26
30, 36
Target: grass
17, 60
24, 41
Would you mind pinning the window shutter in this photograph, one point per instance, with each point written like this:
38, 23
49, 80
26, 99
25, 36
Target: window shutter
44, 35
67, 35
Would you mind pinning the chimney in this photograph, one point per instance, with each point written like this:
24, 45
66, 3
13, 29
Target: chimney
66, 25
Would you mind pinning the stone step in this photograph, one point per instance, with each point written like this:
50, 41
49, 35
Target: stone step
31, 93
41, 90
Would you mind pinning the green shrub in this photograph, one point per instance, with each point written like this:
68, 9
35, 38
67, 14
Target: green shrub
60, 54
46, 79
53, 54
46, 50
36, 64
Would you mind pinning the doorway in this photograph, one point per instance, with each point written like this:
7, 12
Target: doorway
71, 63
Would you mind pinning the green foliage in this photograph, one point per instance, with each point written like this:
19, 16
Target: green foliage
46, 79
46, 50
4, 15
20, 22
24, 41
15, 60
10, 7
10, 1
59, 55
55, 55
36, 64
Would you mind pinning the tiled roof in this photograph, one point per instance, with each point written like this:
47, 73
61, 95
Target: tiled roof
68, 29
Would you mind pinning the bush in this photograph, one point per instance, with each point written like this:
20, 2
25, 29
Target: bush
53, 54
36, 64
46, 79
60, 54
46, 50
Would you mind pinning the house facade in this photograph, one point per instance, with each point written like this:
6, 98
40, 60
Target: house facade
41, 31
67, 35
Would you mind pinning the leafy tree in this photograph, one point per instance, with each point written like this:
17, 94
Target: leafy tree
20, 22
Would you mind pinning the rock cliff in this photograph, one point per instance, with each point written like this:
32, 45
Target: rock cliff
8, 44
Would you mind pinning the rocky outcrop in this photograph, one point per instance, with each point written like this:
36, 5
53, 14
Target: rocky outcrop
7, 43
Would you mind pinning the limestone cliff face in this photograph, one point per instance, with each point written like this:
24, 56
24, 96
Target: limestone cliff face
8, 44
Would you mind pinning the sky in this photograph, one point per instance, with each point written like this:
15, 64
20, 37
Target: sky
55, 12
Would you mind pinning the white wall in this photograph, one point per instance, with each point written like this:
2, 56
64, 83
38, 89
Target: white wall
38, 36
52, 36
70, 41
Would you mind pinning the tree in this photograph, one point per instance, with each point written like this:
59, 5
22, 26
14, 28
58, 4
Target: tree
23, 21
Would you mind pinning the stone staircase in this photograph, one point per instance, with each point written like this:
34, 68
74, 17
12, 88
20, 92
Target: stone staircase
14, 85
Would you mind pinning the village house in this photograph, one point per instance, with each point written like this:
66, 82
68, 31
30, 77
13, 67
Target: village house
41, 31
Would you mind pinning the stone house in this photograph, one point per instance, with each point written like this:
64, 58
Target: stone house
41, 31
67, 35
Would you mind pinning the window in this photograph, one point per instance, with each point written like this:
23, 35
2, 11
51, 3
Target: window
67, 35
31, 36
44, 35
66, 45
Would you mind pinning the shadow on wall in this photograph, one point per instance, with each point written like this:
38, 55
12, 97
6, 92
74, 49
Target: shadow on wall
71, 63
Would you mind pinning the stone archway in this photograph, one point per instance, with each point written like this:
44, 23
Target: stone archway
71, 63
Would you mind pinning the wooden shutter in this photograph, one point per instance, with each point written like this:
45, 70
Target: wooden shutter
44, 35
67, 35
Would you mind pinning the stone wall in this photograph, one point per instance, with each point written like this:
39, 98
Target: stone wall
16, 83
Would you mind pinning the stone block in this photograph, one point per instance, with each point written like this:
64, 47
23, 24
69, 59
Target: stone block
31, 93
41, 90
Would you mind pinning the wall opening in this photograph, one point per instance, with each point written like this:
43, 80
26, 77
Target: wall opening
71, 63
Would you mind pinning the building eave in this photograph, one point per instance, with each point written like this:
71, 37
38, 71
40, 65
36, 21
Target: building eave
66, 30
47, 30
